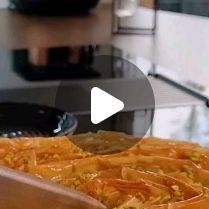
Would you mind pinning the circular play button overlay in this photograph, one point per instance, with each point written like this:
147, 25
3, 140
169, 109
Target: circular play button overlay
103, 105
113, 101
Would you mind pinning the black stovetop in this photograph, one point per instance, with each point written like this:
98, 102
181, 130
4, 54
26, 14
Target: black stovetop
41, 76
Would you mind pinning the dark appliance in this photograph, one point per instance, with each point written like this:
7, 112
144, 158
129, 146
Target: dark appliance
53, 7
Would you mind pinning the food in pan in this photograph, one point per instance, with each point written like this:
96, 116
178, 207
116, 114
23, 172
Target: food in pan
22, 153
153, 174
105, 142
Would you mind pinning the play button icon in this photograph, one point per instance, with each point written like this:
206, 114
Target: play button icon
103, 105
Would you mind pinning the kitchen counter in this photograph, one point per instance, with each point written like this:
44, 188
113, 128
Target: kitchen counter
178, 116
180, 44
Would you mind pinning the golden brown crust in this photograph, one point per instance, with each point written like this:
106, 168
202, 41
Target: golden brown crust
154, 174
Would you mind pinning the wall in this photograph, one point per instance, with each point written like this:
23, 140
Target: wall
3, 3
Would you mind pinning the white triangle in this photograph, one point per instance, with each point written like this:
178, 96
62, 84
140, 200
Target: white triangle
103, 105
